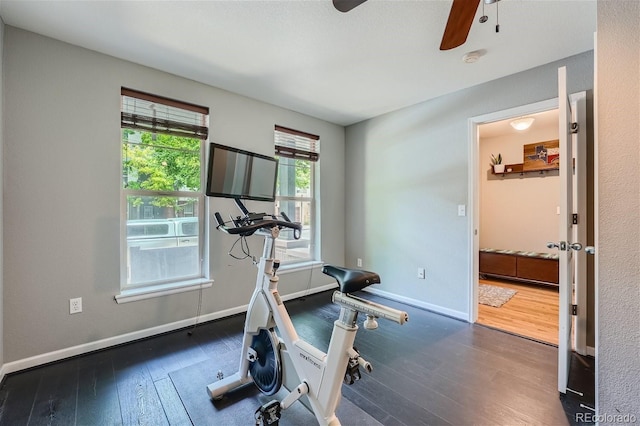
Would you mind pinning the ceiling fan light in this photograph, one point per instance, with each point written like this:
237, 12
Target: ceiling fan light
471, 57
522, 123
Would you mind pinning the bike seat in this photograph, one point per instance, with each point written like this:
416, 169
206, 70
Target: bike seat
351, 280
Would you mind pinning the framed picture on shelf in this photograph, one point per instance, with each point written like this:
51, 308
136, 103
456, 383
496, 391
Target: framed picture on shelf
542, 155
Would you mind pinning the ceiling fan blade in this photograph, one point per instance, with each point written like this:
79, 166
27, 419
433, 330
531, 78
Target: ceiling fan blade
459, 23
346, 5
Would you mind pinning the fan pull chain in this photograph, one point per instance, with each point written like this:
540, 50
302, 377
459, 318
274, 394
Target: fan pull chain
484, 17
497, 19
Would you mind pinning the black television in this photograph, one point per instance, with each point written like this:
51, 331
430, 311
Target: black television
239, 174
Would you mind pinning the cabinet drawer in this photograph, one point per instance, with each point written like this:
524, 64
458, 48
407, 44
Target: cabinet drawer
531, 268
497, 263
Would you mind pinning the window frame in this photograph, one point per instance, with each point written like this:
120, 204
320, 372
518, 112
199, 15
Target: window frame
311, 154
198, 280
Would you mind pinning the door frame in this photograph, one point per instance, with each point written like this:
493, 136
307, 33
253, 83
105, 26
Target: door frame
474, 188
578, 102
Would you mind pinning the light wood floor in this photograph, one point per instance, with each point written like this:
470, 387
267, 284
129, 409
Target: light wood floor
532, 312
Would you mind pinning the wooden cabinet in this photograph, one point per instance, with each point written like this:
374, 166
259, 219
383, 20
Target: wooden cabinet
498, 264
520, 266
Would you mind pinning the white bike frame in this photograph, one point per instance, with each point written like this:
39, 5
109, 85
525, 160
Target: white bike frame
317, 375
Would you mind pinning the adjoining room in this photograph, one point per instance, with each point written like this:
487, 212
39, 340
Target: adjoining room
519, 215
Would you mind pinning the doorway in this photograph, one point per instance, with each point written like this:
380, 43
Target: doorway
518, 214
582, 167
573, 135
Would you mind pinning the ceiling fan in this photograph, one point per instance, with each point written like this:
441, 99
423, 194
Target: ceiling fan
458, 24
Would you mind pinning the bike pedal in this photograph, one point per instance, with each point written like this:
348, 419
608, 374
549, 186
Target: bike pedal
269, 413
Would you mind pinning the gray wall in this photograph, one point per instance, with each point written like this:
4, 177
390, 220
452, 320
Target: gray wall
408, 170
618, 232
62, 195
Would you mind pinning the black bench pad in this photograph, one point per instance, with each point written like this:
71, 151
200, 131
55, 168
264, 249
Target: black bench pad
351, 280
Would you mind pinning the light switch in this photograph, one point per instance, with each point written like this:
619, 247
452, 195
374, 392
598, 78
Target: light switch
462, 210
422, 273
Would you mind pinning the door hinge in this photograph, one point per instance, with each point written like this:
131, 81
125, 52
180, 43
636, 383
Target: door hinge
575, 219
575, 127
574, 309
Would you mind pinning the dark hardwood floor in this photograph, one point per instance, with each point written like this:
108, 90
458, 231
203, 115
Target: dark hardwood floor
433, 370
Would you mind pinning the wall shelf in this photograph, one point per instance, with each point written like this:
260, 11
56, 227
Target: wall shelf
518, 169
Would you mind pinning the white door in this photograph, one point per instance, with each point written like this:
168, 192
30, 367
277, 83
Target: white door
572, 233
565, 245
578, 103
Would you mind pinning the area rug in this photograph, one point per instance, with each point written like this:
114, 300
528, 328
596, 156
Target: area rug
494, 296
237, 408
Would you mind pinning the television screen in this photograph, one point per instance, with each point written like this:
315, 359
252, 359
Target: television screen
234, 173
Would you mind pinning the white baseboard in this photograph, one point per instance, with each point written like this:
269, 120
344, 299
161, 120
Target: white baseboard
420, 304
308, 292
591, 351
84, 348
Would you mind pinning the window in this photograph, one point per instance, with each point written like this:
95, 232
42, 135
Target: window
162, 197
298, 153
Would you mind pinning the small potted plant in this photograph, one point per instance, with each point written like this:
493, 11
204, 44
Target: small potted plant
496, 163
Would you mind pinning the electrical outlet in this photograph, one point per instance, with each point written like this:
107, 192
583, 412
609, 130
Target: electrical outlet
422, 273
75, 305
359, 263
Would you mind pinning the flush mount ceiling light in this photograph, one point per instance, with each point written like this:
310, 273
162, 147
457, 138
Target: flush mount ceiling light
522, 123
471, 57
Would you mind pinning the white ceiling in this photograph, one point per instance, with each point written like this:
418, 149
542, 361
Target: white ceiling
542, 120
306, 56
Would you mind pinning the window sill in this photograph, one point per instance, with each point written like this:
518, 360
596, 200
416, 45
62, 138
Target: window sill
159, 290
301, 266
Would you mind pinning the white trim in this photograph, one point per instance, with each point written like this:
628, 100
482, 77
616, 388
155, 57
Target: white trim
149, 292
300, 266
3, 372
420, 304
473, 189
303, 293
591, 351
596, 218
473, 218
58, 355
578, 103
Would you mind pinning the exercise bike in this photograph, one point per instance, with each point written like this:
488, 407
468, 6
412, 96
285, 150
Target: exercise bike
271, 361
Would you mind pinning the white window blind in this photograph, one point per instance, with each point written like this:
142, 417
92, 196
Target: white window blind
151, 113
296, 144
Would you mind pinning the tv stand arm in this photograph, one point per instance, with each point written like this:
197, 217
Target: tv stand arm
241, 206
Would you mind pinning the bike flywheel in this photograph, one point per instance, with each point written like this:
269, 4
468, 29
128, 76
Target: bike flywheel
266, 370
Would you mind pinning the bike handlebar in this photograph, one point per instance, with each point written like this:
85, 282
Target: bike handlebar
248, 226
